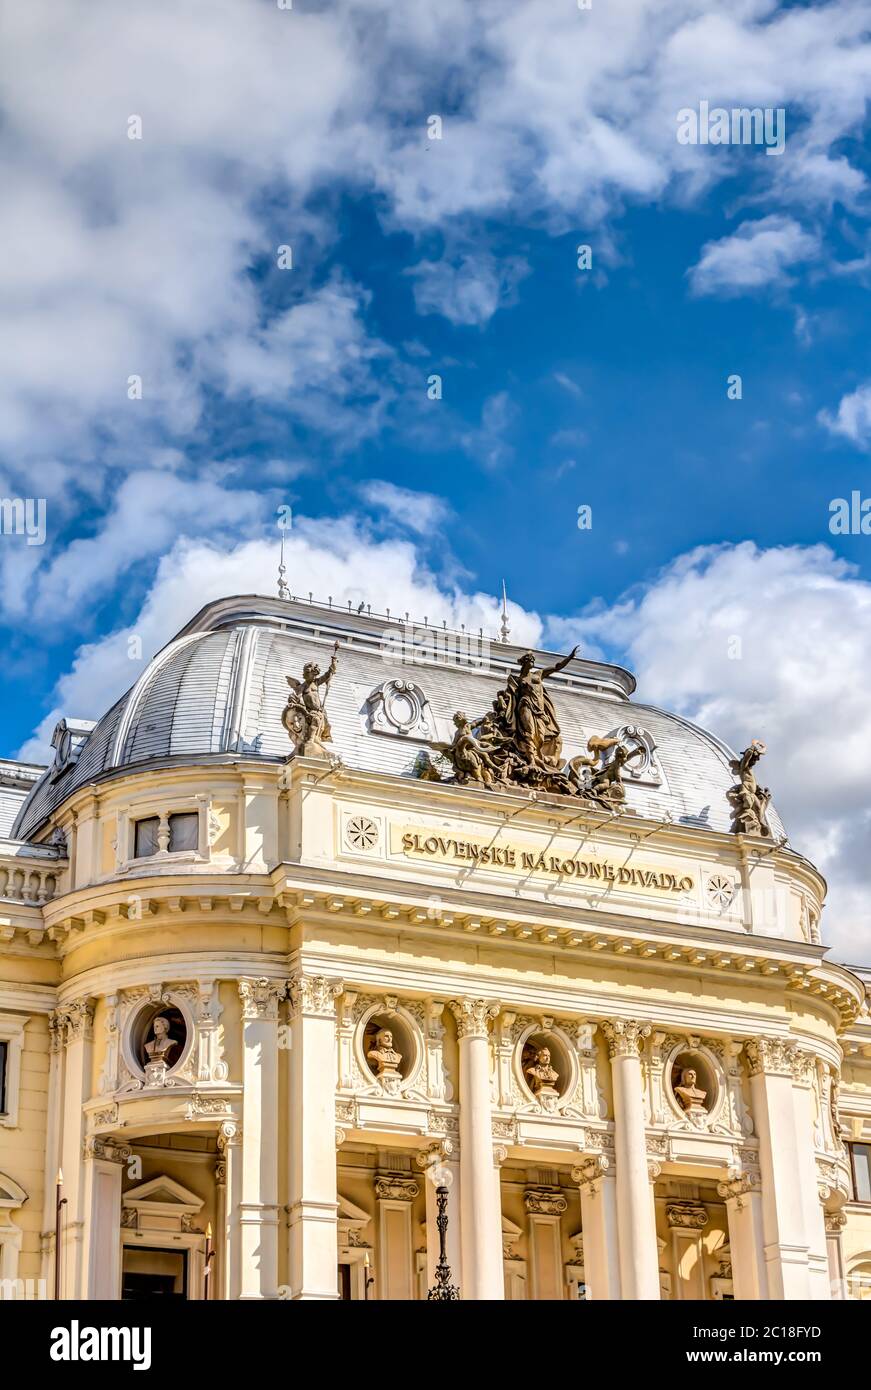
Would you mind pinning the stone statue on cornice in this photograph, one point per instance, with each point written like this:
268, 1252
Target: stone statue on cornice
304, 716
749, 801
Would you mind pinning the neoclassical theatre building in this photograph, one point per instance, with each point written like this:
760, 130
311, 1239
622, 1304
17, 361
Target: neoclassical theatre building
334, 930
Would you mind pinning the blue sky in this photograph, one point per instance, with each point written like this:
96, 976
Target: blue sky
561, 387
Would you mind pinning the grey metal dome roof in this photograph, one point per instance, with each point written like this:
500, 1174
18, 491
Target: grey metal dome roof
217, 691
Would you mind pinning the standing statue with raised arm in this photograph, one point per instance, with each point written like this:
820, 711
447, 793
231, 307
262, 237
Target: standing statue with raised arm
529, 714
304, 716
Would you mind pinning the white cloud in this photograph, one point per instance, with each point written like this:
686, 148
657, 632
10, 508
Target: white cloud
467, 287
133, 256
853, 417
757, 256
419, 511
803, 620
488, 443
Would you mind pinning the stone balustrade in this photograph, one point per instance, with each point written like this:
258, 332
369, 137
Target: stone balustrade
28, 876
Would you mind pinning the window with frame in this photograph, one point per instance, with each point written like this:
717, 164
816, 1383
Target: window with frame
860, 1158
184, 834
4, 1061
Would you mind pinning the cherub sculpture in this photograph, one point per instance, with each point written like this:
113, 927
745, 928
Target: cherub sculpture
467, 755
600, 777
749, 800
303, 716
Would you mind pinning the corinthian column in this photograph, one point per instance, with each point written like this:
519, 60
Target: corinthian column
636, 1222
258, 1208
480, 1196
312, 1119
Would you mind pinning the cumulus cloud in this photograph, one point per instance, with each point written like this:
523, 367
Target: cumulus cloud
419, 511
135, 256
772, 644
469, 287
758, 256
852, 420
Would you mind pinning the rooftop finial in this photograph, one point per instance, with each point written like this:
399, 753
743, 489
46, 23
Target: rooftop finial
283, 591
505, 628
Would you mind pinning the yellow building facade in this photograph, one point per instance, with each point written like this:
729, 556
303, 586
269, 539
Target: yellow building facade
261, 1008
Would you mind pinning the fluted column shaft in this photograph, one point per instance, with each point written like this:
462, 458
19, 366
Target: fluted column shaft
258, 1207
313, 1206
636, 1223
480, 1195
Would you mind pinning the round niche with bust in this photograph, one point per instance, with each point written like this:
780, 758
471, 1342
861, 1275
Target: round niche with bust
693, 1085
160, 1034
546, 1068
390, 1050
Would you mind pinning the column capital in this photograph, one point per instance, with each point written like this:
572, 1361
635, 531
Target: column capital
260, 998
435, 1154
110, 1150
76, 1020
738, 1186
473, 1016
591, 1170
229, 1136
395, 1187
835, 1222
313, 995
544, 1201
772, 1057
687, 1216
625, 1036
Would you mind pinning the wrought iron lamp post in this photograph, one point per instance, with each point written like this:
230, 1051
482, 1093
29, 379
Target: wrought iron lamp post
442, 1290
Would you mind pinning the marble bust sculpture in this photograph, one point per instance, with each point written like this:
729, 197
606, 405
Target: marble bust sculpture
384, 1059
160, 1045
542, 1077
690, 1097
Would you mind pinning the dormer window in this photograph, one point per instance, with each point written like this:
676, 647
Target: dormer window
166, 834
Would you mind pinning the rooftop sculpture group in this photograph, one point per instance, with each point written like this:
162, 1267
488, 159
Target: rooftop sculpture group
518, 743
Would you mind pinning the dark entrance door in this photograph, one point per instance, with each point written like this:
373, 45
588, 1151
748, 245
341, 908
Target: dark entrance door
150, 1273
